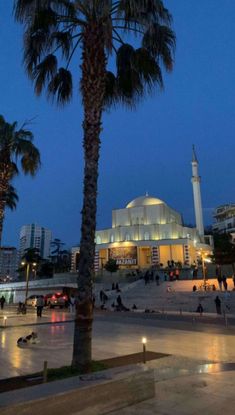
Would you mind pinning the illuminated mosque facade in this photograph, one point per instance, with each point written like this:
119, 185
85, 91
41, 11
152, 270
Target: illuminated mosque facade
148, 232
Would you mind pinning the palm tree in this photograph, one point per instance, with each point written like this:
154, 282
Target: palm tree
8, 199
14, 144
56, 32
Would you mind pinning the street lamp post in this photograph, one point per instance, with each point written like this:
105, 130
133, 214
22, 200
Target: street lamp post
27, 278
204, 272
27, 282
204, 260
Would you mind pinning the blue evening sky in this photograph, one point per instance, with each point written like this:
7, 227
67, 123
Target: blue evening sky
144, 150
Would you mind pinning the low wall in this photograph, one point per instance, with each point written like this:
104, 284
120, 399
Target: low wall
122, 390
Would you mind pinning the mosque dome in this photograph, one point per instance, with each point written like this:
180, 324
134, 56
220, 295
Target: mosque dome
144, 201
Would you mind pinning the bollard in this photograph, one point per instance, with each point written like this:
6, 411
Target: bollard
45, 371
5, 321
144, 341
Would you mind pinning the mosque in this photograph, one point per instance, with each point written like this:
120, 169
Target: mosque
147, 232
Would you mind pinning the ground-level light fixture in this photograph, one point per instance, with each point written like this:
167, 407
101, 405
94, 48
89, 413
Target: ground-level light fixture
144, 341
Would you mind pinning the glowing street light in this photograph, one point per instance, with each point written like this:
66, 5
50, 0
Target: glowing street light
204, 259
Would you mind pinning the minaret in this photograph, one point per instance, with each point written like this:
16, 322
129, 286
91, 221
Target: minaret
196, 180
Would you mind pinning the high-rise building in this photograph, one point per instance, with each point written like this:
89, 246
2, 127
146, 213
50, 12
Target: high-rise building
8, 262
35, 236
225, 219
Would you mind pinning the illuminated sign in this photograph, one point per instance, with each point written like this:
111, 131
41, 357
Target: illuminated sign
124, 255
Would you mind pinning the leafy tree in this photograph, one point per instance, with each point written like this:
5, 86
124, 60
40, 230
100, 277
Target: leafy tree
14, 145
30, 257
224, 249
60, 257
57, 245
111, 265
56, 32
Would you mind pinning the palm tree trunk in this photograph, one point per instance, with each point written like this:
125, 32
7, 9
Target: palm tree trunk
1, 221
93, 89
3, 189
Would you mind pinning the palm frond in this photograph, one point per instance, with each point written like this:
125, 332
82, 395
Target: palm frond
30, 162
61, 86
52, 26
44, 72
148, 68
140, 13
15, 144
10, 198
160, 41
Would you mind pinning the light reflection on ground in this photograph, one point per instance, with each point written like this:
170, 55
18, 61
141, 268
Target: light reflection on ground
110, 338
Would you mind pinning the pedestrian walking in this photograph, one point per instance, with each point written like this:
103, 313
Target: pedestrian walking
146, 277
119, 300
195, 272
40, 305
225, 284
220, 279
101, 296
233, 280
71, 303
2, 302
199, 309
171, 275
177, 274
157, 278
117, 288
218, 271
218, 305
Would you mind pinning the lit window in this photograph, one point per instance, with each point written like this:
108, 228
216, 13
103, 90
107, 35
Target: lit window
128, 237
111, 238
146, 236
98, 240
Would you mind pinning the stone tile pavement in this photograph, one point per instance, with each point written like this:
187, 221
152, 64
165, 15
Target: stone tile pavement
208, 394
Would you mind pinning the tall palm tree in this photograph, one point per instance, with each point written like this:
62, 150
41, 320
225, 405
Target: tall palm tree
8, 199
14, 144
90, 31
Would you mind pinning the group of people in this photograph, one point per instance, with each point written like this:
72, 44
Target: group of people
222, 281
149, 277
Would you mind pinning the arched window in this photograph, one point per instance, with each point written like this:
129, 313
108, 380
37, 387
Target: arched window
98, 240
146, 236
111, 238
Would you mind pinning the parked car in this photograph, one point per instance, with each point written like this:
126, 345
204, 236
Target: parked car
56, 300
32, 300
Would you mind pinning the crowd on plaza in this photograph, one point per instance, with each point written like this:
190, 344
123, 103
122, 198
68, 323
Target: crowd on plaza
222, 302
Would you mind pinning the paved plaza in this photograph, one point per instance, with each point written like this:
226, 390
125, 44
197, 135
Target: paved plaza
113, 335
189, 381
